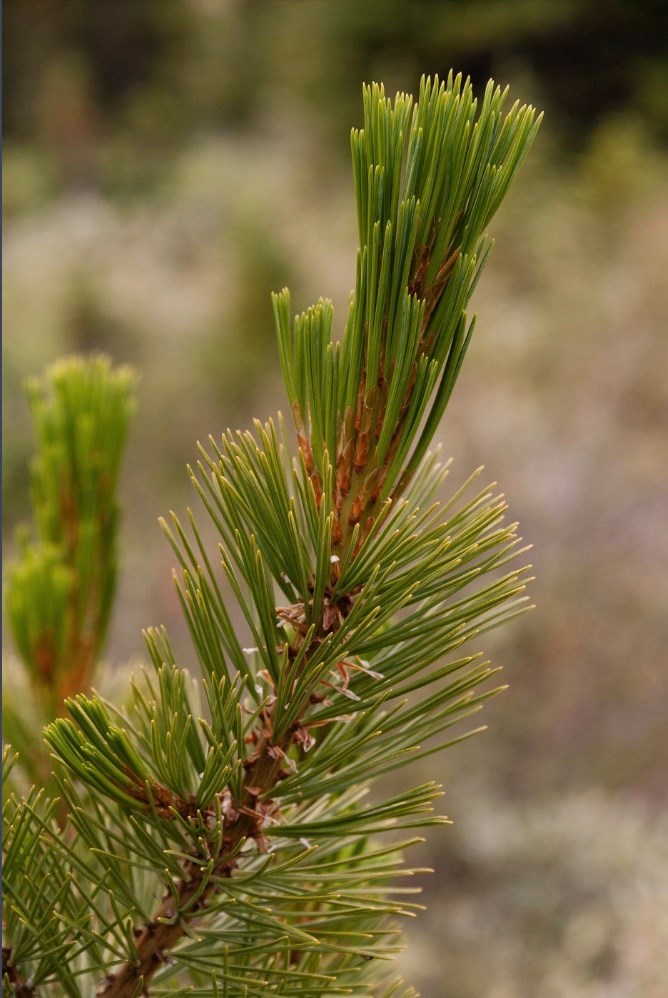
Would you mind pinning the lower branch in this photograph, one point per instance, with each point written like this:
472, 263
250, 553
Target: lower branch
166, 928
243, 819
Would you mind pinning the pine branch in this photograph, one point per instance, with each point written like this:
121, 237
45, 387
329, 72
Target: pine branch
245, 817
60, 590
346, 679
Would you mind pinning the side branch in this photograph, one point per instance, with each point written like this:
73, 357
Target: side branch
169, 924
244, 819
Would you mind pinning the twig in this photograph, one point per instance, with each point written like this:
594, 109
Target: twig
22, 989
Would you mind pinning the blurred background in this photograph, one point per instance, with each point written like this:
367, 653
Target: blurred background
168, 163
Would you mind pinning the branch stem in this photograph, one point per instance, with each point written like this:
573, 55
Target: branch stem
169, 924
22, 989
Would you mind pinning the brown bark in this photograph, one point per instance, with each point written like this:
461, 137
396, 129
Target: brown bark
20, 988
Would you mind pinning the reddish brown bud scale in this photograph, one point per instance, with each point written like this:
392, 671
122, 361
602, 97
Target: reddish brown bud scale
356, 511
361, 452
305, 448
343, 469
298, 418
317, 487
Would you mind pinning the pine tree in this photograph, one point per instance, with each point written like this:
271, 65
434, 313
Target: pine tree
222, 839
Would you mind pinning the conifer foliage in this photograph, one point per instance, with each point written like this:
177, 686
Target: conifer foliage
222, 839
61, 588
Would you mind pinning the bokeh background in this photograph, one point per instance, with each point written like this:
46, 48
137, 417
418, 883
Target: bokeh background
170, 162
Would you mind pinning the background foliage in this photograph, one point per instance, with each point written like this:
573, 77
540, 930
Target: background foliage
169, 163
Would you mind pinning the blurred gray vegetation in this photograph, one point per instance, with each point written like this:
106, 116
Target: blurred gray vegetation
168, 163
